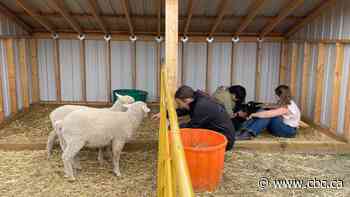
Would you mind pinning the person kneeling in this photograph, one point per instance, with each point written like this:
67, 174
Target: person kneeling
281, 121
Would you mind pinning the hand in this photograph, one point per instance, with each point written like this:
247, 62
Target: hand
253, 115
242, 114
156, 116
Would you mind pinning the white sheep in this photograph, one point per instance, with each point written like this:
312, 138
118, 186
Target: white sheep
97, 128
59, 113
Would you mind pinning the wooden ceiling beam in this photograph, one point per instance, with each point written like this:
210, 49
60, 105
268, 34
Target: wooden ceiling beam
92, 4
60, 7
311, 16
159, 17
30, 11
221, 14
253, 11
12, 16
125, 6
292, 5
189, 16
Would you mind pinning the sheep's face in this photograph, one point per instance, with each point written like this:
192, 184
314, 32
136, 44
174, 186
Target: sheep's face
139, 105
125, 99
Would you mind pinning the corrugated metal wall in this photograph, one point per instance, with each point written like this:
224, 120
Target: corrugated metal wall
70, 69
5, 84
194, 64
270, 64
245, 67
121, 61
146, 68
9, 28
220, 66
312, 82
18, 75
96, 70
300, 63
47, 83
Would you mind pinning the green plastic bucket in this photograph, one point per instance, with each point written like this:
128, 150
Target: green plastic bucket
138, 95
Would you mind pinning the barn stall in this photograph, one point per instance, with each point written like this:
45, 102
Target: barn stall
78, 52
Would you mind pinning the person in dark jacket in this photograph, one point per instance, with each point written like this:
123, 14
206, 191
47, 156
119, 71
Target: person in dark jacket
205, 112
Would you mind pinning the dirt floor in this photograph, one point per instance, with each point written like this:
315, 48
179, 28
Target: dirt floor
30, 173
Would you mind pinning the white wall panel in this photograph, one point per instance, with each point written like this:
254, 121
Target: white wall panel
299, 74
18, 75
146, 68
70, 67
269, 71
96, 70
312, 82
245, 67
194, 64
121, 63
29, 64
221, 65
47, 84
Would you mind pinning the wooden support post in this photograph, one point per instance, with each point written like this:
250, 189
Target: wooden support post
347, 113
56, 61
305, 79
109, 71
24, 73
258, 71
11, 75
209, 66
2, 114
171, 41
83, 70
293, 69
133, 62
319, 83
337, 77
35, 75
158, 62
232, 67
283, 64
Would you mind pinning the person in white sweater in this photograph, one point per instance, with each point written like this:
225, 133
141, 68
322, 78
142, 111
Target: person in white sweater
281, 120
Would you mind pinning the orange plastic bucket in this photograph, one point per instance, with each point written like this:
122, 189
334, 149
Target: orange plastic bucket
205, 152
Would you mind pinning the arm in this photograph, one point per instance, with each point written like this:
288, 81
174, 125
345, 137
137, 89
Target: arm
199, 118
182, 112
271, 113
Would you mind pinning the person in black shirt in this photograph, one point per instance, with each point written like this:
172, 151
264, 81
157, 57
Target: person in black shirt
205, 112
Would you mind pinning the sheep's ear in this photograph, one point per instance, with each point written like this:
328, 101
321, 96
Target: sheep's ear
146, 109
118, 95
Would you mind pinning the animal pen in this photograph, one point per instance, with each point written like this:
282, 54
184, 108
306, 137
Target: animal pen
55, 52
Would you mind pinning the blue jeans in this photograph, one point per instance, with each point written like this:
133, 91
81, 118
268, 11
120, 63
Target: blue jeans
274, 125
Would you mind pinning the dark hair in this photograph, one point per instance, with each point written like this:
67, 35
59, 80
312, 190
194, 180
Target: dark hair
184, 92
283, 92
239, 91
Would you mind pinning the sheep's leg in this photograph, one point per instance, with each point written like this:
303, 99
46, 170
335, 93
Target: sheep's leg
117, 147
100, 157
50, 142
76, 162
68, 157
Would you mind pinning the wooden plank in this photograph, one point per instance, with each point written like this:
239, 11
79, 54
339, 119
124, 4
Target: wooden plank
319, 83
281, 16
92, 4
258, 71
171, 42
35, 68
221, 13
2, 114
61, 8
83, 70
23, 60
125, 5
56, 61
311, 16
337, 77
109, 71
283, 64
293, 69
209, 66
14, 18
158, 59
159, 17
28, 8
189, 16
11, 74
347, 112
253, 11
305, 79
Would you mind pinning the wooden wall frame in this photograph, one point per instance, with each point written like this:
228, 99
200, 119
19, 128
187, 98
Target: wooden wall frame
11, 74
